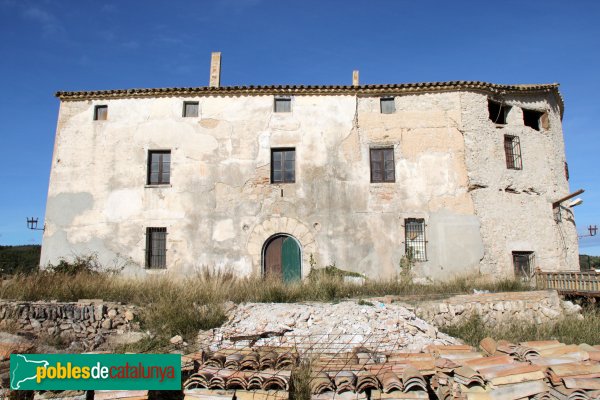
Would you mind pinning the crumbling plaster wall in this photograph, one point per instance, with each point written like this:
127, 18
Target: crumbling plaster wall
515, 206
220, 206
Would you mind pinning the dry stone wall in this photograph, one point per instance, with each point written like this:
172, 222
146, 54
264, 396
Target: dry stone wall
85, 319
537, 306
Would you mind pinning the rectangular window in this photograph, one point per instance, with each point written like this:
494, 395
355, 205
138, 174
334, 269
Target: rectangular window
100, 113
566, 170
283, 104
387, 105
524, 263
283, 165
156, 247
159, 167
382, 165
512, 149
497, 112
415, 242
535, 119
190, 108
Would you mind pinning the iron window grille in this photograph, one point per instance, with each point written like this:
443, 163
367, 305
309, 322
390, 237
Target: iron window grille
283, 104
283, 165
100, 113
524, 263
498, 112
156, 247
382, 165
415, 241
159, 167
512, 149
190, 108
387, 105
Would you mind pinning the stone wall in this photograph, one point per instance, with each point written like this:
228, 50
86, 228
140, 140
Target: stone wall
84, 319
536, 306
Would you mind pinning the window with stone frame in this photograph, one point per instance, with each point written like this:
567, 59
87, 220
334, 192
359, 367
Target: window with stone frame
283, 165
159, 167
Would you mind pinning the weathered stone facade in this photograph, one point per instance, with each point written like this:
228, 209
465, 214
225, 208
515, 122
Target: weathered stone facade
220, 206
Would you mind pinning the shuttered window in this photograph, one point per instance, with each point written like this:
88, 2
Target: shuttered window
156, 247
190, 108
283, 165
388, 105
283, 104
100, 113
382, 165
415, 241
159, 167
512, 149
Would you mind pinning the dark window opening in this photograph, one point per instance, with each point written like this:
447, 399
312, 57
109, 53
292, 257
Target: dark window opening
156, 247
159, 167
387, 105
382, 165
498, 112
524, 263
533, 119
283, 165
100, 113
190, 108
566, 170
512, 149
283, 104
415, 241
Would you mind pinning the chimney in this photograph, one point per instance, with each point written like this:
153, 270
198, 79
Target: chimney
215, 69
355, 77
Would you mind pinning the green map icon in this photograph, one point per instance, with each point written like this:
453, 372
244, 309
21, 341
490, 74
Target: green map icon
24, 369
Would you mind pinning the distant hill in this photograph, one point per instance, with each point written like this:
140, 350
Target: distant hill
15, 259
589, 262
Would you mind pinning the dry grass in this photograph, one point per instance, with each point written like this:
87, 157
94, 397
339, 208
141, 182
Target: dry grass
569, 330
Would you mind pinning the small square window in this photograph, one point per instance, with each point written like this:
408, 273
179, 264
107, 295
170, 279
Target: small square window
283, 104
512, 150
382, 165
414, 239
387, 105
535, 119
159, 167
498, 112
524, 263
156, 247
190, 108
100, 113
283, 165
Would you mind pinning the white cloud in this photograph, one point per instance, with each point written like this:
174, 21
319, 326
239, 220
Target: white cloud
49, 24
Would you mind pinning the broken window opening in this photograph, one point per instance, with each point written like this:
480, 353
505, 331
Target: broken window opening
190, 108
566, 170
156, 247
498, 112
415, 242
283, 165
512, 149
100, 113
383, 168
524, 263
159, 167
387, 105
535, 119
283, 104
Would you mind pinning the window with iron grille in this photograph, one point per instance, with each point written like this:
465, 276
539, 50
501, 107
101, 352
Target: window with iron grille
512, 149
524, 263
382, 165
100, 113
190, 108
387, 105
283, 104
159, 167
283, 165
415, 241
156, 247
497, 112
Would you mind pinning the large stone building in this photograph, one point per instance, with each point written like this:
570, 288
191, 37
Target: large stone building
460, 177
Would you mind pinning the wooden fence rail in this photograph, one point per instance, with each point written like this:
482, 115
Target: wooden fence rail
585, 283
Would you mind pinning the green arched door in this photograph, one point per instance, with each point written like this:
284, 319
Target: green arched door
282, 259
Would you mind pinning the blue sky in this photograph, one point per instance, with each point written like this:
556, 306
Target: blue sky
84, 45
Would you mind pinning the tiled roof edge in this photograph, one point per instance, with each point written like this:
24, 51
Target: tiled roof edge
315, 90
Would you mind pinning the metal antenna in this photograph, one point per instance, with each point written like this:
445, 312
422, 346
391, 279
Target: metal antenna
32, 223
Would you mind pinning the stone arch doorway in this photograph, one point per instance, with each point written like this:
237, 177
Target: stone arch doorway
282, 258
